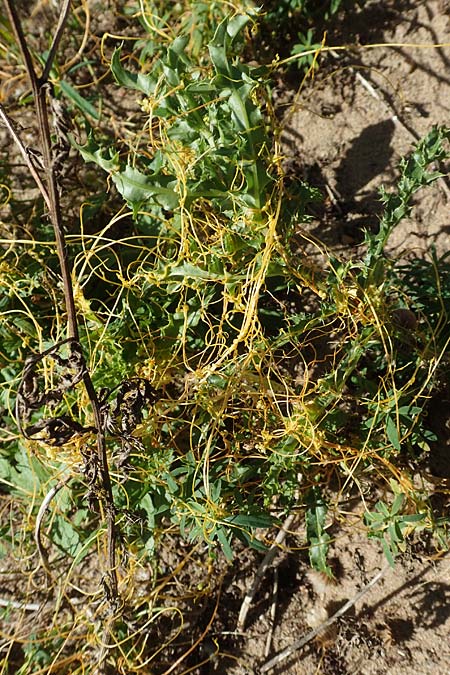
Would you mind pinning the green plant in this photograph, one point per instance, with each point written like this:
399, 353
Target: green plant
234, 380
223, 207
391, 526
318, 539
303, 24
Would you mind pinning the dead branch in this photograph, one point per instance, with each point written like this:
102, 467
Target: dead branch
267, 561
298, 644
41, 90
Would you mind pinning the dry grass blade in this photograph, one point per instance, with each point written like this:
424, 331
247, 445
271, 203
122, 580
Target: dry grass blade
39, 518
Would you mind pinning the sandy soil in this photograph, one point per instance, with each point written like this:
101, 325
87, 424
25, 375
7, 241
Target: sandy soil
350, 127
400, 626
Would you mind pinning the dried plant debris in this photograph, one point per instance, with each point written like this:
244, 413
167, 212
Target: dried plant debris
124, 413
47, 379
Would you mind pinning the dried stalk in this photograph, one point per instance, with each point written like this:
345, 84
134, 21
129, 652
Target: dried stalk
39, 518
41, 89
298, 644
9, 124
260, 572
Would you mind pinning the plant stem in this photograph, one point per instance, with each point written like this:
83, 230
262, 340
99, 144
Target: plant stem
298, 644
41, 89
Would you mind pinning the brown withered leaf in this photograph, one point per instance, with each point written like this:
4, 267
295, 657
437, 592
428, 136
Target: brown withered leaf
56, 430
67, 371
123, 414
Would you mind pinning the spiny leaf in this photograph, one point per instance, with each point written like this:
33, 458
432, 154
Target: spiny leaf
138, 81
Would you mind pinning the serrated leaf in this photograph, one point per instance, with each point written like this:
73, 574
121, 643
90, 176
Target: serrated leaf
138, 188
92, 152
414, 175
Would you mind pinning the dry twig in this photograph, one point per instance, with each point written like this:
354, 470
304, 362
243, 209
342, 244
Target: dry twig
267, 561
273, 612
41, 90
298, 644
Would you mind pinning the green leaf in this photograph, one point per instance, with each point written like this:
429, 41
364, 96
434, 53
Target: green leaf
318, 549
318, 539
138, 81
409, 411
395, 532
388, 552
92, 152
397, 504
383, 509
225, 544
398, 205
218, 49
65, 536
26, 475
76, 98
236, 24
138, 188
251, 520
392, 433
414, 518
